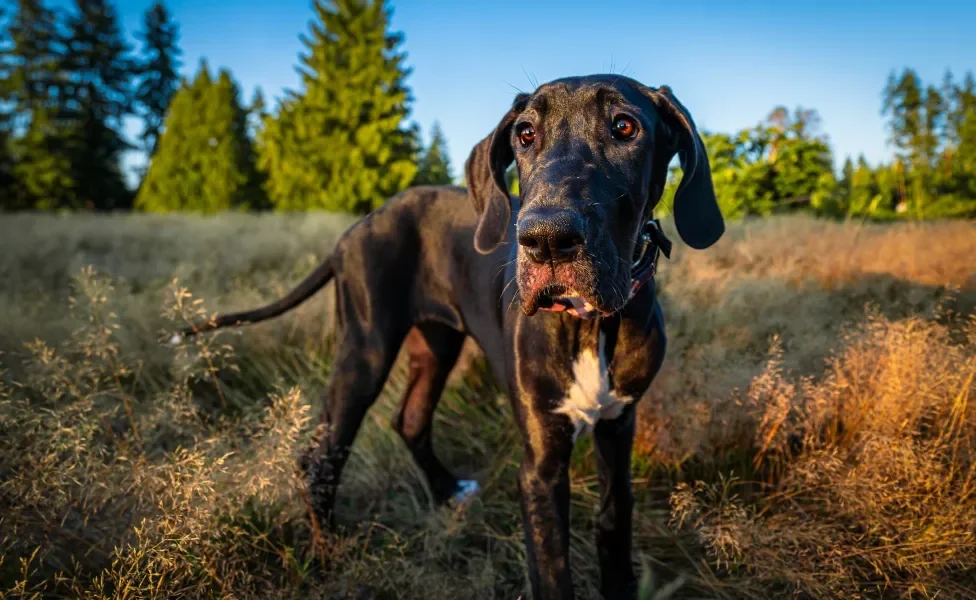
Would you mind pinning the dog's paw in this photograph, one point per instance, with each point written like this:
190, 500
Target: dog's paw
466, 490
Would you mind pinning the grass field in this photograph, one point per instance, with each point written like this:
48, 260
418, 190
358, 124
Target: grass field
812, 434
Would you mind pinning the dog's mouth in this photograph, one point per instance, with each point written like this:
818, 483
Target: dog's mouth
556, 297
559, 298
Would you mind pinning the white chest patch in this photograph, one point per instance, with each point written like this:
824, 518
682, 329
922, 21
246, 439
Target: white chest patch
590, 398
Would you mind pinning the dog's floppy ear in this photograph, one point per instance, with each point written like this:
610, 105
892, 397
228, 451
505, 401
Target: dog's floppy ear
484, 175
696, 214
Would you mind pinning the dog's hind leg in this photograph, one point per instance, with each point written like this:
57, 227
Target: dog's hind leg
433, 349
362, 364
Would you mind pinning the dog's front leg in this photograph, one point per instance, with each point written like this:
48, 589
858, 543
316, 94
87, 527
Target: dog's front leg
544, 490
613, 441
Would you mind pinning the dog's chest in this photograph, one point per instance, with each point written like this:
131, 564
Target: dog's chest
590, 397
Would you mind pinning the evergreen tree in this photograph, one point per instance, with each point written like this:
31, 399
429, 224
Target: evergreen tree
256, 115
6, 68
341, 145
905, 102
802, 166
98, 67
95, 150
845, 187
6, 114
962, 133
847, 175
42, 169
100, 74
865, 194
435, 165
33, 87
32, 76
158, 72
204, 161
257, 112
933, 136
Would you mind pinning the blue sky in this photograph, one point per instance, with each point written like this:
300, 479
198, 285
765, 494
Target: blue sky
729, 62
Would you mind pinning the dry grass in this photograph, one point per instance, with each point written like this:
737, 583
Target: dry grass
812, 435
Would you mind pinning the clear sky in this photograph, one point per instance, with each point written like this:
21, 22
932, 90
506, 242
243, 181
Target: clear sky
729, 62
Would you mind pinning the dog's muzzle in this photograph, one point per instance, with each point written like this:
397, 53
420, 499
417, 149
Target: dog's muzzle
651, 243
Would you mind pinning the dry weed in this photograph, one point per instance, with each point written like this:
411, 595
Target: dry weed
795, 444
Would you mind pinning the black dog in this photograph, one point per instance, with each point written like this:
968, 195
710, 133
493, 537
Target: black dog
434, 265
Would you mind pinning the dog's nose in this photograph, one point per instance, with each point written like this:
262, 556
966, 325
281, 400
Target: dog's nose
551, 235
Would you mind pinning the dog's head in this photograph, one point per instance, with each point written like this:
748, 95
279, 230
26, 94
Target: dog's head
592, 156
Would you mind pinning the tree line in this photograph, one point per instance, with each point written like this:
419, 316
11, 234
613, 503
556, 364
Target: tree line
342, 142
785, 162
70, 79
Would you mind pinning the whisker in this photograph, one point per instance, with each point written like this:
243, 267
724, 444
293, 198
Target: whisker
504, 266
516, 88
532, 79
504, 289
515, 296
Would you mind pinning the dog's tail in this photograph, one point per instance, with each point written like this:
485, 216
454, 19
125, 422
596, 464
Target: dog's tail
315, 281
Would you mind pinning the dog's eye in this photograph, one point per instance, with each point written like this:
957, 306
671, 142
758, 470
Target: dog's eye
526, 134
624, 128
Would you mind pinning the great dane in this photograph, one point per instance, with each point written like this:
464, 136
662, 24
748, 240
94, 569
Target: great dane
576, 340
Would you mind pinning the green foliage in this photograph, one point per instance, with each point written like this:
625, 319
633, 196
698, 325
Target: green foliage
32, 60
68, 78
6, 119
779, 164
42, 168
99, 73
158, 71
933, 130
205, 161
340, 144
782, 164
7, 180
511, 178
96, 65
434, 167
30, 57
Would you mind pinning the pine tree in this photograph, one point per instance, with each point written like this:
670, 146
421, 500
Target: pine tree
100, 74
865, 194
99, 68
905, 104
32, 74
435, 165
43, 171
257, 114
34, 87
158, 72
204, 161
340, 144
845, 187
6, 117
847, 175
962, 127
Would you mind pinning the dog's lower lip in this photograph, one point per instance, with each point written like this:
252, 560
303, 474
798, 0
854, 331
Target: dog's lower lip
546, 296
